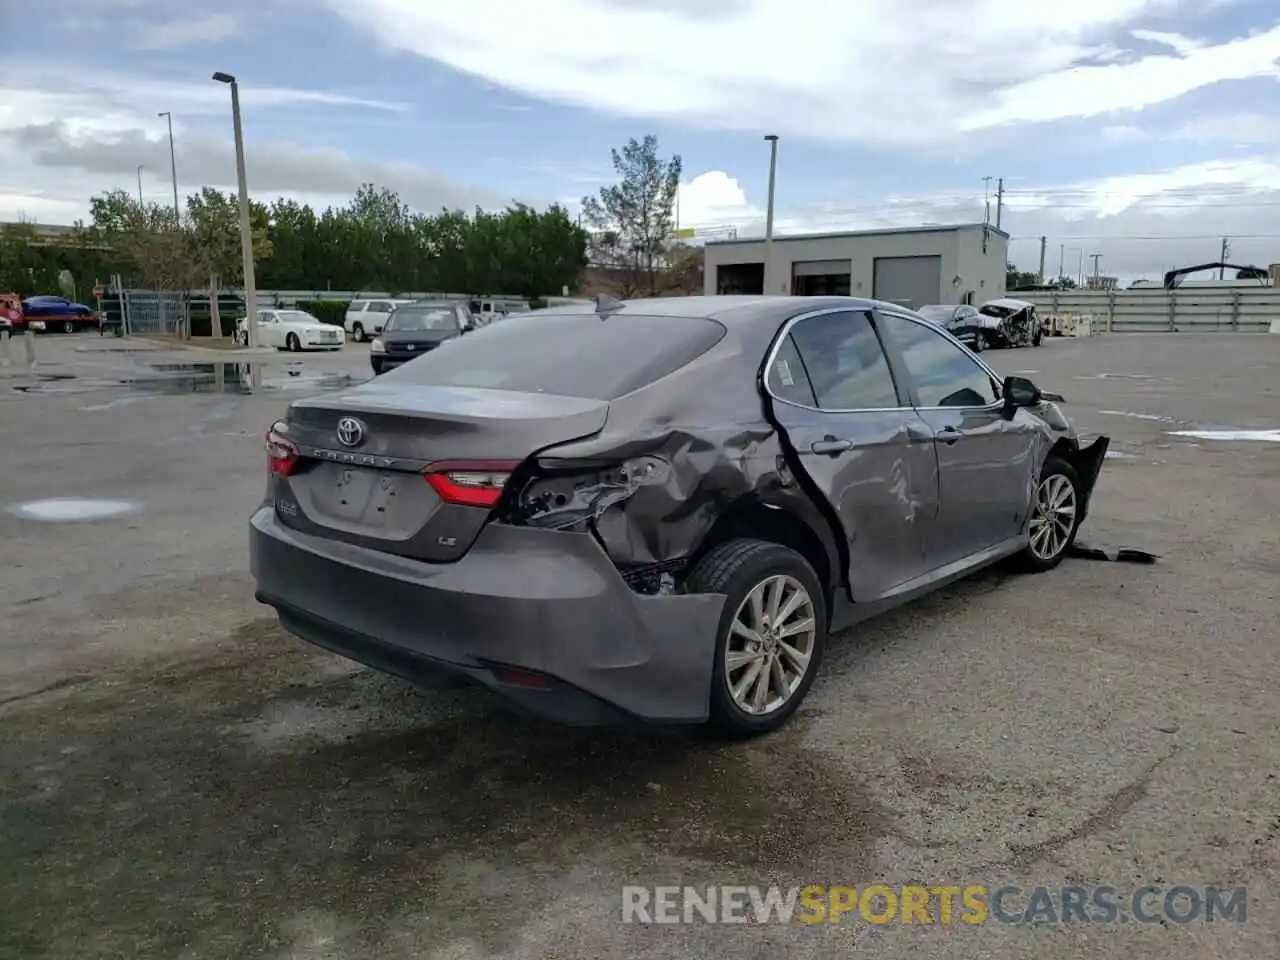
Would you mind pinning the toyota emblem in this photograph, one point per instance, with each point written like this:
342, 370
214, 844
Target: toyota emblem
350, 432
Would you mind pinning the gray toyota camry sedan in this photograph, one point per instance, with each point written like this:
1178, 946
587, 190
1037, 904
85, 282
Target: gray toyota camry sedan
656, 510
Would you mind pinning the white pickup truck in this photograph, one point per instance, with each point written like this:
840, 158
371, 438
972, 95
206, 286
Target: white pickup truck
365, 318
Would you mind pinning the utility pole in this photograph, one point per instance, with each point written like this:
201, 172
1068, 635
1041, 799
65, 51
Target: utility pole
986, 200
1080, 272
1095, 257
999, 200
772, 139
1044, 242
139, 187
246, 229
1226, 251
173, 169
1062, 260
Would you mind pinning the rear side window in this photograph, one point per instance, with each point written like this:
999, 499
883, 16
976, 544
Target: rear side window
845, 362
787, 378
572, 355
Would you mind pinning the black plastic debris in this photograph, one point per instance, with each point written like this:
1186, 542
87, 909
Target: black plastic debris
1090, 551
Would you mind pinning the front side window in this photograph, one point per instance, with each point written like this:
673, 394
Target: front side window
379, 307
945, 375
845, 362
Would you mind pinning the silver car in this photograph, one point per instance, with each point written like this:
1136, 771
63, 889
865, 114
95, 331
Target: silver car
656, 511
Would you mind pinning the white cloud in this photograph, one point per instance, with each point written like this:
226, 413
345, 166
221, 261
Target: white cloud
855, 71
65, 137
715, 197
180, 33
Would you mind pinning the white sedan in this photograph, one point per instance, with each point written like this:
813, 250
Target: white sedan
292, 330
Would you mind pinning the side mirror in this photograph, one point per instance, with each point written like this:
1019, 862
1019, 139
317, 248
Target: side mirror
1020, 392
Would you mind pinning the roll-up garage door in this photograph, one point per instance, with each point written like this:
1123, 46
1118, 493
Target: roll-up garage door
909, 281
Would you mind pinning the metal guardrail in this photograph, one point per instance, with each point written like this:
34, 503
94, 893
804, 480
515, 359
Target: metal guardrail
1163, 311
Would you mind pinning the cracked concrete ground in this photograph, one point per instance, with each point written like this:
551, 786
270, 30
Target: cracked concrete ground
182, 780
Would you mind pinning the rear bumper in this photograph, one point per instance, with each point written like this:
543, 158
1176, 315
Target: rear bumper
543, 601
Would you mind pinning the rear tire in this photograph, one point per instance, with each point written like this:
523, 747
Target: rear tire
1052, 528
757, 684
69, 326
357, 332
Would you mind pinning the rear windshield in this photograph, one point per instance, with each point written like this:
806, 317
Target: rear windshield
572, 355
423, 317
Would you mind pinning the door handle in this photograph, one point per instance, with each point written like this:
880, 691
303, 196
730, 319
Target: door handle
949, 434
831, 446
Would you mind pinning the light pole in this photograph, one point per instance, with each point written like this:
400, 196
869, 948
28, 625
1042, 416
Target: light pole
772, 140
173, 168
246, 227
139, 188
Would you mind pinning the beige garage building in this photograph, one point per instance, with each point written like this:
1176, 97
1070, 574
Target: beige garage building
913, 266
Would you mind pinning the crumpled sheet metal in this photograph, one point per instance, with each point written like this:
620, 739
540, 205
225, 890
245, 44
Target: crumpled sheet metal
676, 486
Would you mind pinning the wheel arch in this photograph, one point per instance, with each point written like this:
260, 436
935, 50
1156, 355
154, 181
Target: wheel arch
782, 521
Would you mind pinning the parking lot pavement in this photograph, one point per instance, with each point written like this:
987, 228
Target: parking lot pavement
183, 780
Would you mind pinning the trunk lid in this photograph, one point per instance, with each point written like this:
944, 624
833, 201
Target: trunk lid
362, 454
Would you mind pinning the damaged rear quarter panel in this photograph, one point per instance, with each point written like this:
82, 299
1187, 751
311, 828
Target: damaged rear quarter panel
673, 459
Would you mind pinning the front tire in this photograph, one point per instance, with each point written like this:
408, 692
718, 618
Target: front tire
357, 333
1056, 508
292, 343
771, 635
69, 326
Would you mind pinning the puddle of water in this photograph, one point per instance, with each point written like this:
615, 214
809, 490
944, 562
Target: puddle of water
226, 377
1265, 436
1138, 416
1117, 376
65, 509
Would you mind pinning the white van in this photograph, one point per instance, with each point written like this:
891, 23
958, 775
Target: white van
365, 318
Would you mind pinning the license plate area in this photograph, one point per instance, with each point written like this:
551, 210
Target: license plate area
382, 503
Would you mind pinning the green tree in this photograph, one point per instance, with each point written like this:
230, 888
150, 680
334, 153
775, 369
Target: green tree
1016, 279
631, 221
144, 237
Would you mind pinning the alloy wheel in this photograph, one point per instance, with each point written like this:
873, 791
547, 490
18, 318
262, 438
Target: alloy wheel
1053, 517
770, 645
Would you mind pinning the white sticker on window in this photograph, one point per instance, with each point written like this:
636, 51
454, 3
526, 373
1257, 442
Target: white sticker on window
784, 373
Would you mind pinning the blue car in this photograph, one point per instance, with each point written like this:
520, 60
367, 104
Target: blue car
58, 313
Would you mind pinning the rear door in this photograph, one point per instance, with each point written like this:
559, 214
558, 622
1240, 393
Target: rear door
860, 442
986, 458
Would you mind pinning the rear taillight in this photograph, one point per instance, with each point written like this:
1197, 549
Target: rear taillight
471, 483
282, 455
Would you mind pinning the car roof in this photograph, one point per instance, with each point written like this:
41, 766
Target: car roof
727, 309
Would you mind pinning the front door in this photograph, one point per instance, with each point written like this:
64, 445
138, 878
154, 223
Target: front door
986, 457
862, 445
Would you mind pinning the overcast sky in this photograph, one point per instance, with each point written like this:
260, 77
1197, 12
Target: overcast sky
1144, 130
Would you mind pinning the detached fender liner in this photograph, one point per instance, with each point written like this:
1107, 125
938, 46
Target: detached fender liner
1088, 463
545, 601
